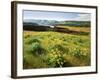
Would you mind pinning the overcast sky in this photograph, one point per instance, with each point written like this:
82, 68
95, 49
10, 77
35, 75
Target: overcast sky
59, 16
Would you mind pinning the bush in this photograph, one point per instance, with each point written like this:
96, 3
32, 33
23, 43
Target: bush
37, 49
80, 53
55, 58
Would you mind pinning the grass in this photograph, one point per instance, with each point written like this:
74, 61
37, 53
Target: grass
77, 28
54, 49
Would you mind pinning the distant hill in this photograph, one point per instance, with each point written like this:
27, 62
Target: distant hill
35, 27
76, 23
42, 22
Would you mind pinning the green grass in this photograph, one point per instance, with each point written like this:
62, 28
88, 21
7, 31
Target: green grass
53, 49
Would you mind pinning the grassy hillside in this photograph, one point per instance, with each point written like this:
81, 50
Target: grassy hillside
76, 23
55, 49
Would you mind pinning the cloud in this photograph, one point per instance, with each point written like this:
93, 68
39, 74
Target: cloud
79, 17
83, 17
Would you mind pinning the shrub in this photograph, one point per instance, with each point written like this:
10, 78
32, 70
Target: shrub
37, 49
80, 53
55, 58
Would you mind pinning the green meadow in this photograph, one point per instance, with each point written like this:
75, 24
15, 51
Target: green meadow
51, 49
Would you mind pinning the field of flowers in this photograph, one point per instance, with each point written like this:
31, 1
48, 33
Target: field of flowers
51, 49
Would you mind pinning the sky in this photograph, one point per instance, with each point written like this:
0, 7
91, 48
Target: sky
59, 16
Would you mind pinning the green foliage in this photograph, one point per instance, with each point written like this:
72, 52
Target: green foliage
77, 52
37, 49
55, 58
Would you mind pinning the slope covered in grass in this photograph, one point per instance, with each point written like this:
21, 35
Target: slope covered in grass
54, 49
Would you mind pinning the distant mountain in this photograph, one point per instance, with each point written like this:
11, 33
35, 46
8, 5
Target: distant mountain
42, 22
